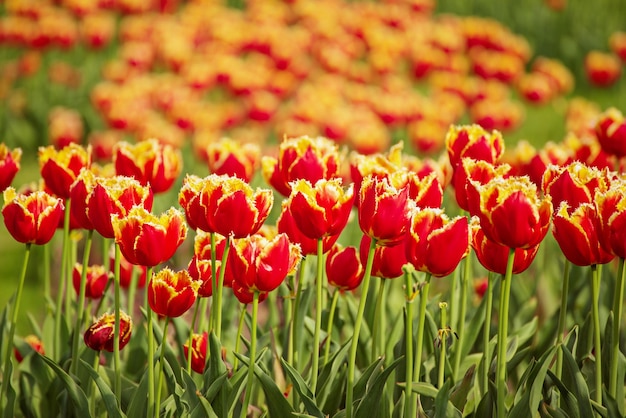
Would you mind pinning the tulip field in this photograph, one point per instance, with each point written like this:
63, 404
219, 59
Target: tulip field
312, 208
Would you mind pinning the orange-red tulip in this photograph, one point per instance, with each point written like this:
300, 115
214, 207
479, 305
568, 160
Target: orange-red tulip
172, 293
305, 158
31, 218
199, 344
344, 269
96, 278
478, 171
231, 158
59, 169
150, 162
100, 335
611, 132
34, 343
79, 195
436, 244
602, 69
9, 165
472, 141
146, 239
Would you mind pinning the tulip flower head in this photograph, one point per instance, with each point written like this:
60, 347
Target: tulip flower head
611, 207
436, 244
575, 184
226, 205
305, 158
34, 343
286, 224
388, 261
344, 269
479, 171
610, 130
200, 270
321, 209
59, 169
172, 293
150, 162
9, 165
510, 211
474, 142
199, 344
100, 335
97, 277
31, 218
228, 157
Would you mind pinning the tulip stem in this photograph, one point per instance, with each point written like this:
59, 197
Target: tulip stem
562, 317
318, 314
331, 319
487, 334
378, 348
460, 328
409, 405
503, 328
212, 324
420, 326
150, 347
161, 359
354, 344
597, 342
67, 261
252, 361
80, 308
242, 316
116, 335
191, 328
618, 307
46, 275
219, 289
6, 373
58, 317
443, 340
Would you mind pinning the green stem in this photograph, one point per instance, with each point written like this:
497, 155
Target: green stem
213, 281
318, 314
597, 342
443, 340
217, 292
46, 273
379, 321
503, 329
296, 325
246, 400
420, 326
289, 315
329, 330
58, 314
132, 289
562, 317
68, 262
81, 303
487, 334
242, 316
354, 344
410, 399
91, 385
116, 335
618, 307
150, 347
157, 408
6, 375
460, 326
191, 328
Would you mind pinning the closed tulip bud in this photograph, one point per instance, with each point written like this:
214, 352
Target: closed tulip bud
388, 261
344, 269
100, 335
172, 293
9, 165
199, 344
31, 218
96, 279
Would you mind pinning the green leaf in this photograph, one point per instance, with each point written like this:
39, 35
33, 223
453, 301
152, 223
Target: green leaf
443, 407
74, 391
573, 378
471, 331
370, 404
108, 397
547, 411
303, 390
528, 403
569, 404
11, 394
328, 376
486, 406
361, 385
139, 403
458, 396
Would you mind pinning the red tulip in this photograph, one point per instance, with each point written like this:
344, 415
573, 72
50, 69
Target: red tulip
59, 169
34, 343
199, 344
478, 171
474, 142
79, 195
146, 239
436, 244
611, 132
31, 218
96, 278
100, 335
603, 69
388, 261
343, 268
287, 225
200, 270
172, 293
227, 157
575, 184
611, 207
126, 271
9, 165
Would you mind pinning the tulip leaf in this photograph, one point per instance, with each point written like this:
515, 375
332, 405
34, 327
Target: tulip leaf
303, 390
486, 406
529, 402
195, 402
328, 375
443, 407
11, 394
74, 391
370, 404
574, 380
336, 393
458, 396
471, 331
569, 404
108, 397
372, 370
139, 402
548, 411
277, 404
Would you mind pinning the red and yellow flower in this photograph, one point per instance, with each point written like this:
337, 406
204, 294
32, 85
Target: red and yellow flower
611, 207
226, 205
478, 171
231, 158
287, 225
321, 209
260, 265
304, 158
146, 239
473, 141
127, 270
494, 256
79, 195
115, 196
200, 270
578, 233
575, 184
511, 212
34, 344
388, 261
344, 269
603, 69
9, 165
383, 208
199, 345
431, 235
100, 335
59, 169
172, 293
96, 278
31, 218
150, 162
611, 132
